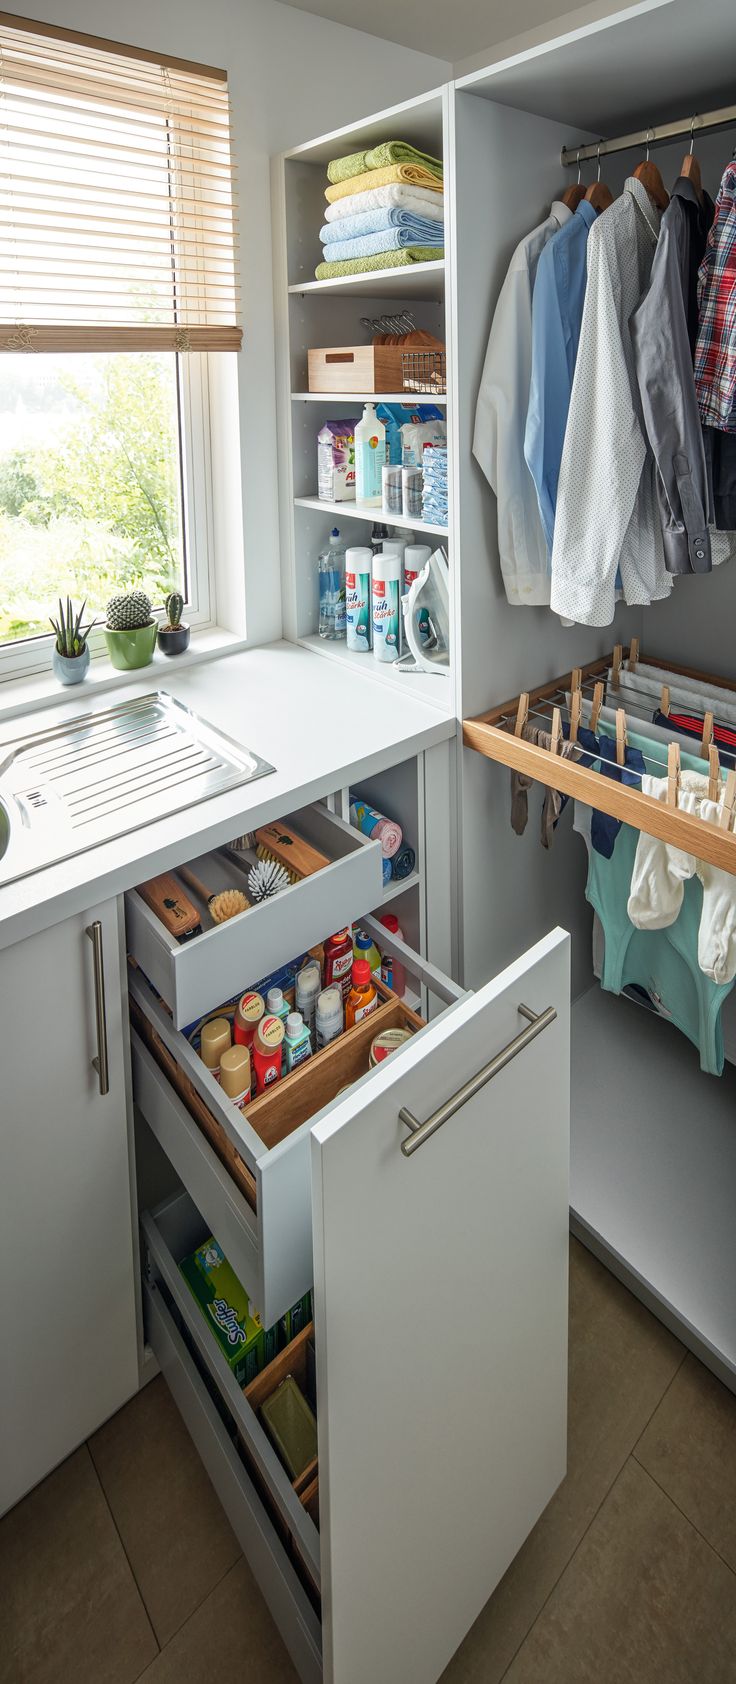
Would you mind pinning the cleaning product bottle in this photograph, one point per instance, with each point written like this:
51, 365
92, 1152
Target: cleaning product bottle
297, 1041
378, 533
332, 588
267, 1053
370, 455
387, 574
338, 961
329, 1016
416, 557
277, 1006
363, 997
364, 947
306, 991
358, 563
392, 970
235, 1076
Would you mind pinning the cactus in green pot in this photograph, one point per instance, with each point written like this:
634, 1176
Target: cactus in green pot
130, 632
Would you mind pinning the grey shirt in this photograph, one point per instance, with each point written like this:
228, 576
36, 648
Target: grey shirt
664, 370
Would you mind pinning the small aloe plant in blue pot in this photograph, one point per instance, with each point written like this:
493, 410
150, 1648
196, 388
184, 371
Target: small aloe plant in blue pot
71, 649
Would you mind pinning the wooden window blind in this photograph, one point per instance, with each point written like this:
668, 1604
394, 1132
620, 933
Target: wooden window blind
117, 223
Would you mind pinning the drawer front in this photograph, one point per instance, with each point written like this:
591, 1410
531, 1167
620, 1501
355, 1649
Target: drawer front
267, 1238
196, 975
440, 1214
265, 1552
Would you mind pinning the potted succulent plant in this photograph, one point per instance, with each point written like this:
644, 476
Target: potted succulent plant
71, 649
130, 631
173, 636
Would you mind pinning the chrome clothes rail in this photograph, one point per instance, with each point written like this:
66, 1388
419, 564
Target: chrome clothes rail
686, 127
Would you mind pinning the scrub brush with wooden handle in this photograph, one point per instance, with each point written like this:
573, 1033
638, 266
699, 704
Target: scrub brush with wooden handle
279, 843
224, 904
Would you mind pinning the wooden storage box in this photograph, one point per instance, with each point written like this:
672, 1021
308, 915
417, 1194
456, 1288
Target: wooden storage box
356, 368
292, 1360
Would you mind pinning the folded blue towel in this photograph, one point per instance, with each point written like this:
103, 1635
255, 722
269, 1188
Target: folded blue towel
383, 219
368, 245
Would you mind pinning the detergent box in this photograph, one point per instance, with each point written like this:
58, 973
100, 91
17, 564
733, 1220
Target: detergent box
225, 1306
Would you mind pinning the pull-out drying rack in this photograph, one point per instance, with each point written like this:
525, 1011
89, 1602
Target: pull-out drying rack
497, 734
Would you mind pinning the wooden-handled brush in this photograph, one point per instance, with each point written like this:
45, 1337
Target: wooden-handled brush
278, 842
224, 904
167, 899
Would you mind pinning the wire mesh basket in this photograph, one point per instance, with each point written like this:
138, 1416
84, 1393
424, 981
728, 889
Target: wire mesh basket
424, 371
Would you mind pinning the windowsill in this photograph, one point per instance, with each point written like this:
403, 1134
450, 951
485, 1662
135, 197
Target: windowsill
42, 689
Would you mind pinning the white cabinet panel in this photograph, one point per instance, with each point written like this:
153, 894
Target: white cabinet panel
67, 1274
441, 1327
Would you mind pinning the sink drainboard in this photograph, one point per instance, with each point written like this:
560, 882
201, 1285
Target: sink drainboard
101, 775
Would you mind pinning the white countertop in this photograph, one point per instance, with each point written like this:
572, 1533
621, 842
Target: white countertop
319, 724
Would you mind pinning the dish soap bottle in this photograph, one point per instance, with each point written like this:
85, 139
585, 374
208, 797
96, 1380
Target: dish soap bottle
332, 588
363, 997
370, 455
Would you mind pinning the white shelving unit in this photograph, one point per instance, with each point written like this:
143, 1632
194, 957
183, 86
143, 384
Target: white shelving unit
314, 313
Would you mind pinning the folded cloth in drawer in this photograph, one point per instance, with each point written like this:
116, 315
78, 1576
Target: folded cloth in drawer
379, 260
395, 175
415, 233
378, 157
384, 220
421, 201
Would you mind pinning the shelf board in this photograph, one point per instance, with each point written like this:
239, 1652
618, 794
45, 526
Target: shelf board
408, 281
395, 887
369, 398
434, 688
370, 512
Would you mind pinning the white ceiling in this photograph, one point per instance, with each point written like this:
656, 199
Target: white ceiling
453, 30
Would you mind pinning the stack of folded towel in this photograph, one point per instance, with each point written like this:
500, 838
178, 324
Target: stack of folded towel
384, 208
434, 485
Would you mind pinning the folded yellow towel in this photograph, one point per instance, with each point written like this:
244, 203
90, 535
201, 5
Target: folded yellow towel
413, 175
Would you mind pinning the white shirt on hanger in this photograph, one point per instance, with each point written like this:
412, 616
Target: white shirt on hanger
500, 421
607, 516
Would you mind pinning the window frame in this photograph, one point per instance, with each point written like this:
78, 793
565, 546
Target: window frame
31, 656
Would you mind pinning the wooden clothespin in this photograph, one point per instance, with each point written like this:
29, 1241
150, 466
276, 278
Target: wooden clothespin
673, 774
576, 678
664, 700
616, 665
597, 705
556, 732
576, 708
714, 773
729, 797
522, 713
633, 654
620, 737
707, 736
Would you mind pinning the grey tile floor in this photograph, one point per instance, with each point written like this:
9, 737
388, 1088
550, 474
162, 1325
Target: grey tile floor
122, 1566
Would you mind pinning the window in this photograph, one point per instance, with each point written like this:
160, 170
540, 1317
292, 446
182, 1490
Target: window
117, 277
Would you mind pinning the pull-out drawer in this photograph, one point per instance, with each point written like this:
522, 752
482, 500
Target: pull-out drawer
250, 1176
439, 1204
193, 976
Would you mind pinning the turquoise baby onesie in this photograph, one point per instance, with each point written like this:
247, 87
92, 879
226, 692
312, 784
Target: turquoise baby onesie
662, 962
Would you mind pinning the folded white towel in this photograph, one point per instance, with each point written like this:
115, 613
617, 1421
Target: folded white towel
422, 201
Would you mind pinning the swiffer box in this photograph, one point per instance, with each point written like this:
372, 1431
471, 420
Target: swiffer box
226, 1308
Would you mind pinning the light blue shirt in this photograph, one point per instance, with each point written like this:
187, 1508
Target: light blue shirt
557, 312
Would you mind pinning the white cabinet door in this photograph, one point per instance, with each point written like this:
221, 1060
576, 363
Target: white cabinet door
441, 1325
67, 1275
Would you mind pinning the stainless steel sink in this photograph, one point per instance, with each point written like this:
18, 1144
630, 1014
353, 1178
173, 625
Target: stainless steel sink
102, 775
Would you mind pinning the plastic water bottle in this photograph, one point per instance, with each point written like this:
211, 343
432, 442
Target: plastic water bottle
332, 588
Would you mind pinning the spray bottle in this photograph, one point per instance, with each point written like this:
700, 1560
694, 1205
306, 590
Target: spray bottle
388, 573
358, 598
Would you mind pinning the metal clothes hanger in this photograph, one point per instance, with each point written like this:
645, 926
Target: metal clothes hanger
649, 176
572, 195
691, 167
598, 194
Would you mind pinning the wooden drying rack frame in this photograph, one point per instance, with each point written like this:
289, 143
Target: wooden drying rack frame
493, 734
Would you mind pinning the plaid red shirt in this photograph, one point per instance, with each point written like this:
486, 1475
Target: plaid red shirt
715, 351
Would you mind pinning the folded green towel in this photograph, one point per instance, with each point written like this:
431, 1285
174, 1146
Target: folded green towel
380, 260
379, 157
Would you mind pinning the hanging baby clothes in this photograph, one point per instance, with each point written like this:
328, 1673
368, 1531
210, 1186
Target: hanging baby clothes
607, 515
661, 870
661, 331
715, 354
500, 421
557, 312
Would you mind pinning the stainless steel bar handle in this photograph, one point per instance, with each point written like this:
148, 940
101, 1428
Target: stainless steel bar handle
419, 1132
100, 1063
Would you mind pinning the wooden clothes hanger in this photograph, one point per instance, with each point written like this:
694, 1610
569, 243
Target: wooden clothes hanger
598, 194
691, 168
572, 195
649, 176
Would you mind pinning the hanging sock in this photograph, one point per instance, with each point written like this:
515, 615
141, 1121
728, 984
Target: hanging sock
717, 933
604, 829
660, 871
